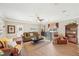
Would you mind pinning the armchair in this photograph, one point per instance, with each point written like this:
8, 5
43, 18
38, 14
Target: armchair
6, 47
59, 39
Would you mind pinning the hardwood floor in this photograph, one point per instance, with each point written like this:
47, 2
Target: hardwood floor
45, 48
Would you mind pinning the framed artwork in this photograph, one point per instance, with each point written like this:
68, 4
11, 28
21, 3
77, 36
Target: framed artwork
11, 29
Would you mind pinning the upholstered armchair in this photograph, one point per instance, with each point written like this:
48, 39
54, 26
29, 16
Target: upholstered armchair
60, 39
6, 45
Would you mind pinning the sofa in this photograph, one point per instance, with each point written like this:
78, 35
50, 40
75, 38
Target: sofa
27, 36
10, 46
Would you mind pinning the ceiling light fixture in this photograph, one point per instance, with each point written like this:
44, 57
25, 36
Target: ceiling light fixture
40, 19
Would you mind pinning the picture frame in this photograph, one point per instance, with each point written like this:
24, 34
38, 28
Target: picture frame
11, 29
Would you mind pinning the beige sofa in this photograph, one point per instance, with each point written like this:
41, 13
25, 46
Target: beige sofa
28, 35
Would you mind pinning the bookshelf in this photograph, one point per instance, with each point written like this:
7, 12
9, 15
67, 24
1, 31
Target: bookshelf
71, 32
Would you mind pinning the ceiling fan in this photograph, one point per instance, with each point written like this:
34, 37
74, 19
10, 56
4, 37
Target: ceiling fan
40, 19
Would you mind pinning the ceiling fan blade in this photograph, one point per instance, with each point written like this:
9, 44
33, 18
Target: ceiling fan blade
38, 18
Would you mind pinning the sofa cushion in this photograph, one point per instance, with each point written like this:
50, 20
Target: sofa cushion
4, 41
31, 34
1, 45
12, 44
19, 47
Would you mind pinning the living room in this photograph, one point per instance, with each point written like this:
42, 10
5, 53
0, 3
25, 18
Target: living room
37, 27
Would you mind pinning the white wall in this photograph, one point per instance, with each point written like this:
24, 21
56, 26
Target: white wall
61, 29
30, 27
62, 24
26, 27
78, 34
2, 29
78, 31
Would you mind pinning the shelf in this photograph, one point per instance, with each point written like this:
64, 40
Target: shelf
71, 32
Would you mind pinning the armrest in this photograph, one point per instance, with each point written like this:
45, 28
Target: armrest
6, 49
19, 47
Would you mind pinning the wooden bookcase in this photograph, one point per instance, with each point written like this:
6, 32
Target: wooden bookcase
71, 32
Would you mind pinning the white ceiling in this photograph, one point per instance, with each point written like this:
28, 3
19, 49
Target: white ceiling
47, 11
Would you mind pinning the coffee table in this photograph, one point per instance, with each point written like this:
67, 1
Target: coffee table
35, 40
